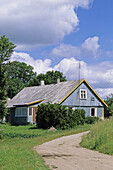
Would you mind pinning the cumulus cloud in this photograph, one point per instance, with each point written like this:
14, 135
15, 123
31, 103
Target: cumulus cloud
91, 45
99, 76
89, 48
39, 65
39, 22
66, 50
105, 92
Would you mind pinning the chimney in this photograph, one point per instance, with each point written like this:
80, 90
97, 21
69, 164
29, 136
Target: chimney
42, 83
58, 80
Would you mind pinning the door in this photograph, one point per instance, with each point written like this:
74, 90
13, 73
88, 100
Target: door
93, 112
35, 109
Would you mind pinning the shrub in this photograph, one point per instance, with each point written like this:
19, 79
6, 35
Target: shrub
58, 116
91, 120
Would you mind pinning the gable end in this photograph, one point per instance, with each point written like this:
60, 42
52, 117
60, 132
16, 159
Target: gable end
89, 88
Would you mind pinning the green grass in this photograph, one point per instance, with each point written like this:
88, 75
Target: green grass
100, 138
16, 147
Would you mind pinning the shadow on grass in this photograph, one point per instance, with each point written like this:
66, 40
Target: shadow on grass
33, 128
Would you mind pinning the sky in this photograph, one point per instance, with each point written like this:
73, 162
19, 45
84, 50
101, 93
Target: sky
60, 34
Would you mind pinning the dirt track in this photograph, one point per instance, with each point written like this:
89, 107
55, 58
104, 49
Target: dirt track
65, 153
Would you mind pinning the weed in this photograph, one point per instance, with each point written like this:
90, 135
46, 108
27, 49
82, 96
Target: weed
101, 137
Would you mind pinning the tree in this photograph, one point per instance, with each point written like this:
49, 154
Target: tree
6, 50
49, 78
19, 76
109, 109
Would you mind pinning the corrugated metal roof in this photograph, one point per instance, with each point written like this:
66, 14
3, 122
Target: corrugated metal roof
53, 93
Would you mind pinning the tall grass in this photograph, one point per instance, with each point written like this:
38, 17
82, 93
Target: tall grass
101, 137
16, 146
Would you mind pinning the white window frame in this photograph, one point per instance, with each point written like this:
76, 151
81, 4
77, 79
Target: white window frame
83, 98
95, 111
32, 111
19, 112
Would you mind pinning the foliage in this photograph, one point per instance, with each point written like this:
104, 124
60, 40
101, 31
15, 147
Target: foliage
19, 76
91, 120
101, 137
18, 152
58, 116
49, 78
109, 109
3, 109
6, 50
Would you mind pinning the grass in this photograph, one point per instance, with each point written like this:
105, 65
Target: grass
16, 146
101, 137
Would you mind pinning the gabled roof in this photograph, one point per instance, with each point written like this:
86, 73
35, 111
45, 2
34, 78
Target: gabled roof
54, 93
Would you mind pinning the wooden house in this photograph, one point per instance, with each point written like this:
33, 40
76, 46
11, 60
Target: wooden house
77, 94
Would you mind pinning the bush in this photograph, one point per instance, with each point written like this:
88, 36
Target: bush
91, 120
58, 116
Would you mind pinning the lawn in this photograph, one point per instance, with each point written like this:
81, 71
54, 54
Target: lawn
16, 145
101, 137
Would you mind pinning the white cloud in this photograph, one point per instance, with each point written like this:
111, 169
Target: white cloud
40, 66
105, 92
89, 48
91, 45
99, 76
39, 22
66, 50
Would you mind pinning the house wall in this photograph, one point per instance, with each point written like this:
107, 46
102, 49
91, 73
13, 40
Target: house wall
23, 119
11, 116
19, 119
86, 104
88, 111
30, 117
73, 99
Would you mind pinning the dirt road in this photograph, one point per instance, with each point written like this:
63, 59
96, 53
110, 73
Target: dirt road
65, 153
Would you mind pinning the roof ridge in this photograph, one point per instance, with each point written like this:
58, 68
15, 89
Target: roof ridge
54, 83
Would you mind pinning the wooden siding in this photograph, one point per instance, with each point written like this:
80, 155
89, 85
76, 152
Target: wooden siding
73, 99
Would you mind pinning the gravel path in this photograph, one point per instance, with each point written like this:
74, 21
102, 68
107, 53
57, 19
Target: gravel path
65, 153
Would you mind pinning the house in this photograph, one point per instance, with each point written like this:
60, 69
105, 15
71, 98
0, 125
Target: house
77, 94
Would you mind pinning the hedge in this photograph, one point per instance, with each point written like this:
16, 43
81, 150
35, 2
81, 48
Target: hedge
59, 116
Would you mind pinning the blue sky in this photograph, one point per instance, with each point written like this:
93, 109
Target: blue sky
57, 34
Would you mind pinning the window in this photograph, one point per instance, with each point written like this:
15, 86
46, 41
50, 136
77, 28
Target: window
21, 112
93, 112
30, 111
83, 94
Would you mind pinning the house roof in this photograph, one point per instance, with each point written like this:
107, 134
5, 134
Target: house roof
54, 93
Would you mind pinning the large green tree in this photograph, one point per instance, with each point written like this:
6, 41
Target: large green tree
6, 50
49, 78
19, 76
